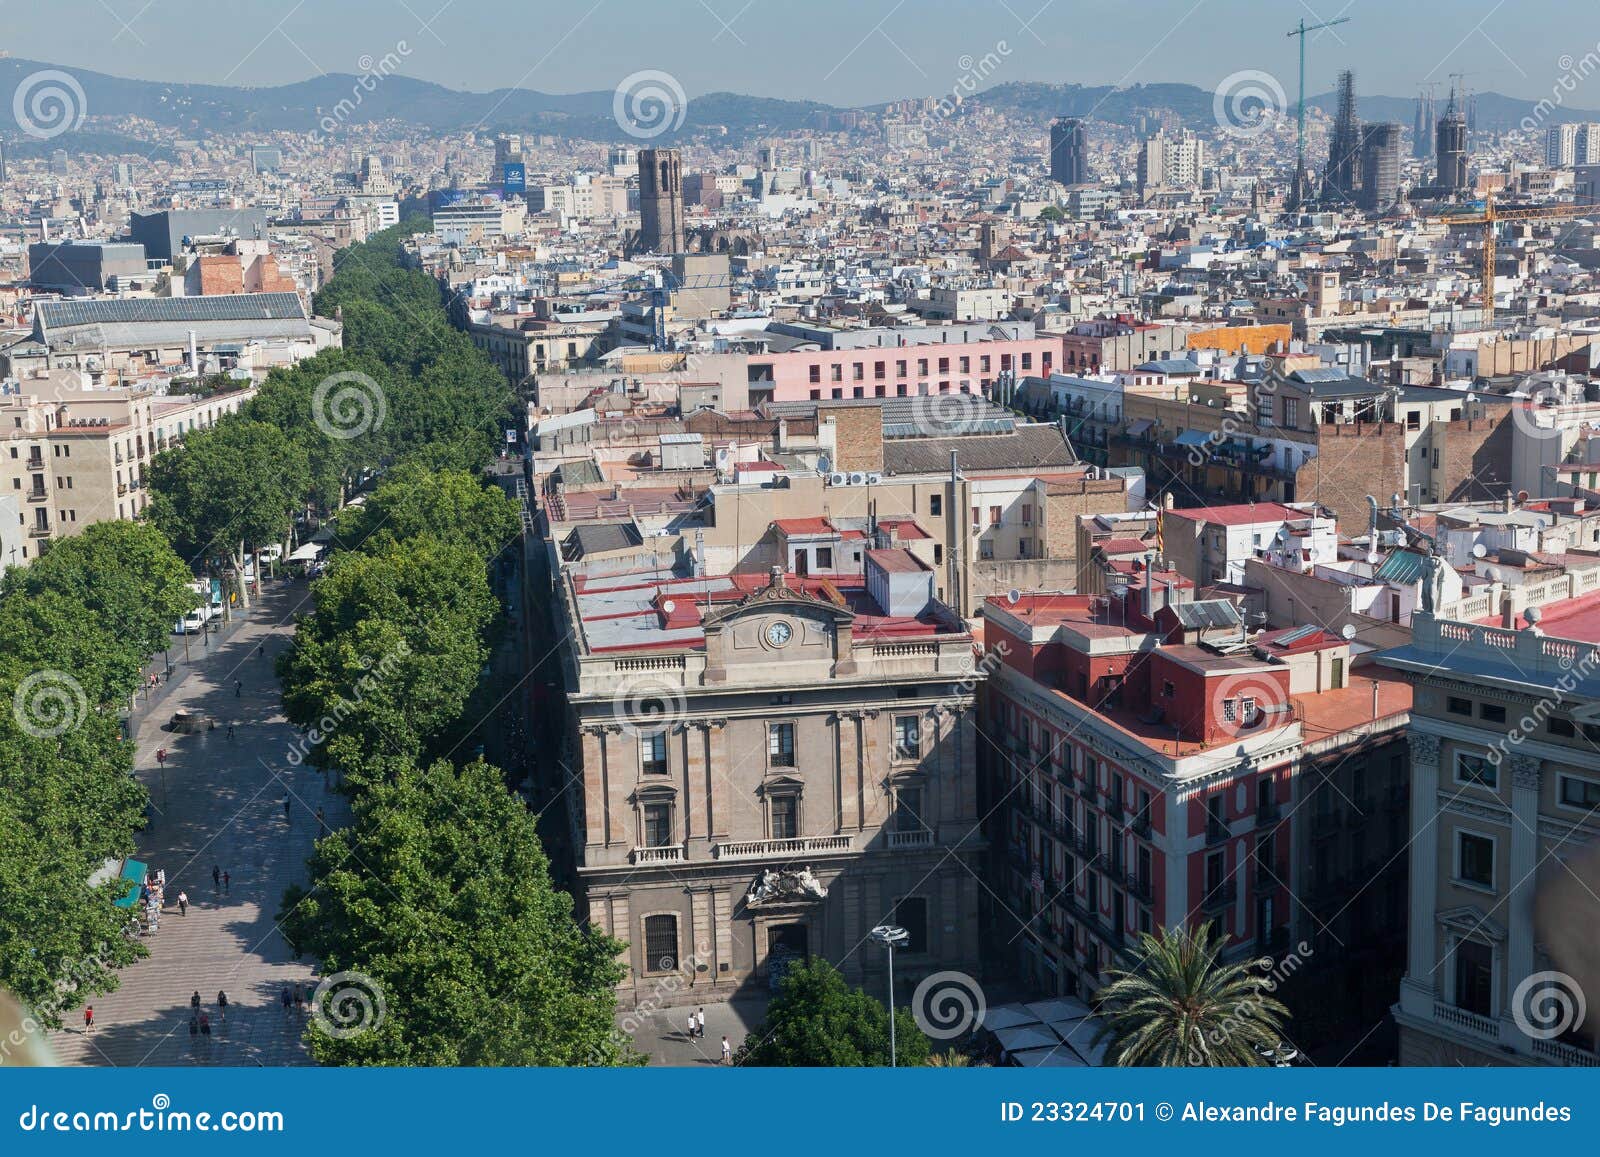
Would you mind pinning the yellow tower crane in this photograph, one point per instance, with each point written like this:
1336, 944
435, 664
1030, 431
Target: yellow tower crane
1491, 216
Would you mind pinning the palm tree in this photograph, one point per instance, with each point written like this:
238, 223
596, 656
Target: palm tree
1175, 1004
952, 1060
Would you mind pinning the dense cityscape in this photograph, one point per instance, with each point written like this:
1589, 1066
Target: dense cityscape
1030, 575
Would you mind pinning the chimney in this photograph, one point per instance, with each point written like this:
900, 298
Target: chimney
194, 354
955, 469
1149, 580
1509, 503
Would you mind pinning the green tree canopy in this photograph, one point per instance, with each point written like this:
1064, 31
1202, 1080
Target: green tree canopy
439, 895
450, 506
817, 1020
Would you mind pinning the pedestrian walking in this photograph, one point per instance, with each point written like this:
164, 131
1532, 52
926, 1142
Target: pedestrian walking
88, 1017
216, 876
205, 1026
230, 729
727, 1051
194, 1001
286, 818
161, 756
225, 881
194, 1028
691, 1026
222, 1004
322, 824
700, 1023
183, 903
261, 651
238, 688
299, 999
286, 998
311, 995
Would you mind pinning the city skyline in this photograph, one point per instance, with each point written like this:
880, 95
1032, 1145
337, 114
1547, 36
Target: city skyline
900, 52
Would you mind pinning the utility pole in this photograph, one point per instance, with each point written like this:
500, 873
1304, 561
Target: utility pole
1300, 30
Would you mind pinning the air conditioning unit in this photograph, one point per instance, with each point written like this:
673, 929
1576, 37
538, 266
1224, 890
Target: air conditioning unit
837, 479
857, 478
873, 479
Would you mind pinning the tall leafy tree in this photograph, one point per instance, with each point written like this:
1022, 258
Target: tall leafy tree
1175, 1003
229, 488
439, 896
817, 1020
449, 506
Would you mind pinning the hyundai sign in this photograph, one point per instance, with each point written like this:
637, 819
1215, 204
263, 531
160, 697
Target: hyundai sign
514, 177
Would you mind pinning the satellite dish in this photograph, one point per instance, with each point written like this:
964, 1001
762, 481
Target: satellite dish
669, 606
1480, 551
1349, 632
1522, 496
824, 465
1013, 596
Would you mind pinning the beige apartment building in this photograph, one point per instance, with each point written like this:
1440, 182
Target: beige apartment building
765, 767
1505, 786
77, 454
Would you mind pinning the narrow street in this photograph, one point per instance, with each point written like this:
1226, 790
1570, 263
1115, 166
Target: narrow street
219, 803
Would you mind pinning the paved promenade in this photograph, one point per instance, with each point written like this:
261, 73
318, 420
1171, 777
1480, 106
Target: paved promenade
218, 803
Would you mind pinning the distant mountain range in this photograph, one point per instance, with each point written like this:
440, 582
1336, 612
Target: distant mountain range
202, 109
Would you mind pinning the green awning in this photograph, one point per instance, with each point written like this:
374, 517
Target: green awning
133, 873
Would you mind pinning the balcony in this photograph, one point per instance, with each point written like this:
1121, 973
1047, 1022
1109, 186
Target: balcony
36, 463
1564, 1054
922, 839
1220, 897
671, 854
39, 532
38, 495
1268, 874
1216, 831
784, 849
1268, 813
1140, 888
1141, 826
1483, 1026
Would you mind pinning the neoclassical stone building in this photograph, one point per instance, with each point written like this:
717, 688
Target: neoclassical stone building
1505, 787
768, 766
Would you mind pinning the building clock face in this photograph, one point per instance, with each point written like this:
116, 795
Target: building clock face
779, 633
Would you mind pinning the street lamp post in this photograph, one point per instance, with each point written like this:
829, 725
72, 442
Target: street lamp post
891, 936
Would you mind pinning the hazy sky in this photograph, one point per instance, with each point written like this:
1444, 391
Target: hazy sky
839, 51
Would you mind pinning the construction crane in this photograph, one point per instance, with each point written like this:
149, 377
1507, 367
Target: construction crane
1300, 30
1491, 216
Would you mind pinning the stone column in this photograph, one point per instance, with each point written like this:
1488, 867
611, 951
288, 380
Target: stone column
696, 788
847, 730
1420, 984
718, 772
873, 806
1524, 867
616, 786
594, 790
722, 912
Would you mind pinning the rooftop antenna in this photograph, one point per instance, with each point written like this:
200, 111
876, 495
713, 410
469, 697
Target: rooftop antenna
1300, 30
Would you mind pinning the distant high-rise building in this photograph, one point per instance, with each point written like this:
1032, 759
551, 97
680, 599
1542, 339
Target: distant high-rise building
1422, 128
1175, 161
1561, 145
2, 162
1380, 167
507, 150
1069, 153
1586, 146
1450, 148
1342, 181
661, 201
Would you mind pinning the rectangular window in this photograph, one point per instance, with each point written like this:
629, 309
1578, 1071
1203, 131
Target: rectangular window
936, 504
1491, 713
994, 516
900, 368
661, 943
824, 558
911, 913
785, 810
922, 367
816, 373
858, 372
653, 754
1027, 514
908, 809
1475, 859
1457, 706
1476, 771
657, 825
1474, 977
836, 373
907, 737
1581, 793
780, 744
1562, 727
